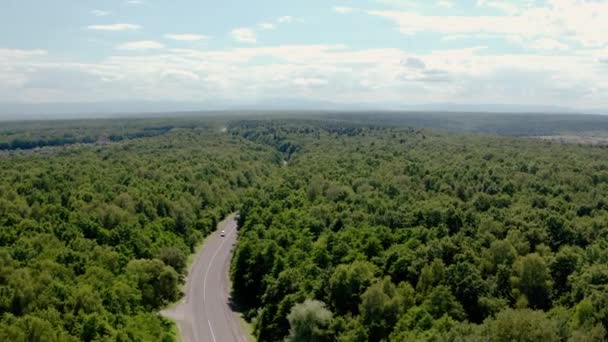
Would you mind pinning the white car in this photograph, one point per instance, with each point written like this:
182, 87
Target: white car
223, 233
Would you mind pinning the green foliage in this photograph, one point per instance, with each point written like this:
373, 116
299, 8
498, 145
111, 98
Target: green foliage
405, 234
156, 282
520, 325
532, 280
478, 226
309, 322
94, 238
442, 302
347, 283
381, 305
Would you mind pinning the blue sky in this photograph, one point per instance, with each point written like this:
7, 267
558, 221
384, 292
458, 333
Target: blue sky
528, 52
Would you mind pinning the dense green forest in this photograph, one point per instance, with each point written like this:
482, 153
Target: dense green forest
376, 234
350, 230
94, 239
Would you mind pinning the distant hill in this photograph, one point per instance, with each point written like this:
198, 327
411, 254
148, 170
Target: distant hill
31, 111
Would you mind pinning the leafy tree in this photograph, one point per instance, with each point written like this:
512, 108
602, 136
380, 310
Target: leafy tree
157, 282
501, 252
309, 322
520, 325
441, 302
381, 305
431, 275
347, 284
467, 286
251, 265
532, 279
173, 257
565, 263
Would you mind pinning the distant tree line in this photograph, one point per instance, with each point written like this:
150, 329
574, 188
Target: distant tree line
26, 141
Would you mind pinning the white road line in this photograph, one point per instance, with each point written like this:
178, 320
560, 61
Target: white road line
209, 267
211, 329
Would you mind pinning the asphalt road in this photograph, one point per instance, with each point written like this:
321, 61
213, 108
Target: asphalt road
204, 315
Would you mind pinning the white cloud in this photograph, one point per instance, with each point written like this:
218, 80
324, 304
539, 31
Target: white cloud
445, 4
330, 72
14, 67
186, 37
499, 5
134, 2
410, 23
266, 26
99, 13
402, 4
343, 9
179, 75
18, 54
114, 27
287, 19
452, 37
10, 58
309, 82
244, 35
140, 45
548, 44
571, 20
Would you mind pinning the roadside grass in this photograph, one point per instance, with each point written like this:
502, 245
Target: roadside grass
247, 327
175, 331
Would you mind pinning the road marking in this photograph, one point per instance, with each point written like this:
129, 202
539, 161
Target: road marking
211, 328
209, 267
185, 323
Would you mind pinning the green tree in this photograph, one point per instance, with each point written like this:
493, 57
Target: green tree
380, 307
347, 284
467, 285
565, 263
173, 257
532, 280
441, 302
309, 322
156, 281
520, 325
431, 276
501, 252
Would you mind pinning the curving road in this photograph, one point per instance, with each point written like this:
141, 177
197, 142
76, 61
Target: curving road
204, 315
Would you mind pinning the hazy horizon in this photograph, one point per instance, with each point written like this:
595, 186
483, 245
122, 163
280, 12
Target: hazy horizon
20, 111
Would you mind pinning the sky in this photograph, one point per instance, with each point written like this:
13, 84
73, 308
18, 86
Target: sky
525, 52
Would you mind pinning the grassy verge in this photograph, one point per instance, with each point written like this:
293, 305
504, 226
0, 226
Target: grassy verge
175, 331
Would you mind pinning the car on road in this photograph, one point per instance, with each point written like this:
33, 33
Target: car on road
223, 233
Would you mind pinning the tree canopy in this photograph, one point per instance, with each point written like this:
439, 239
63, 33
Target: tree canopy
417, 235
348, 230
